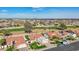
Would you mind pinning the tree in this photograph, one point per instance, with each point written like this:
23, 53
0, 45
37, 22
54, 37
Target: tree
56, 25
10, 48
28, 27
27, 37
2, 42
62, 26
6, 32
42, 22
70, 38
54, 38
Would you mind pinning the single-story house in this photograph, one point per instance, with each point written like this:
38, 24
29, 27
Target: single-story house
38, 38
18, 41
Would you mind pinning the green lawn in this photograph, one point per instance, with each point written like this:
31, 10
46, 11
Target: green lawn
27, 37
10, 48
68, 27
22, 29
73, 26
35, 46
16, 29
13, 30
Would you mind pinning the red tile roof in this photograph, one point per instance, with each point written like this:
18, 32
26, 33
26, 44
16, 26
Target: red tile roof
18, 40
76, 31
51, 33
34, 36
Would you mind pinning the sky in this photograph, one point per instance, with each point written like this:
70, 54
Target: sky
39, 12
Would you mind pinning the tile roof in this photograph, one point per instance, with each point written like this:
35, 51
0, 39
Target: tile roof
34, 36
18, 40
51, 33
76, 31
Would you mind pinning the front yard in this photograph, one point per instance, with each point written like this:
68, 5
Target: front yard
35, 45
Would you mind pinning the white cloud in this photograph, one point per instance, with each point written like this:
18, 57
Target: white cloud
4, 15
3, 10
34, 9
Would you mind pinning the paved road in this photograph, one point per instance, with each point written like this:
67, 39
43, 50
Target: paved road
70, 47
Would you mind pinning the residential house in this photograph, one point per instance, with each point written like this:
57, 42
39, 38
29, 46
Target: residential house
50, 33
38, 38
18, 41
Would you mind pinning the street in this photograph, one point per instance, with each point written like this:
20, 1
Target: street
70, 47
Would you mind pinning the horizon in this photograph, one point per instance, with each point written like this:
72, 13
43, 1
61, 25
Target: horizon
40, 12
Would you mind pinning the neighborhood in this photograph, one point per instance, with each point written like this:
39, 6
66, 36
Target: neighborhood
37, 34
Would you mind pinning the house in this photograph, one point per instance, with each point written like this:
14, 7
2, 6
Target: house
38, 38
62, 34
50, 33
46, 35
42, 40
76, 31
34, 36
72, 34
18, 41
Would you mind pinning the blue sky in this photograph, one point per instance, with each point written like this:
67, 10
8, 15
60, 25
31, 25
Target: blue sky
39, 12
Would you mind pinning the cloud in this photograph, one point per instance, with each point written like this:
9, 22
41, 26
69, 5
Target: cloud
4, 15
3, 10
34, 9
22, 15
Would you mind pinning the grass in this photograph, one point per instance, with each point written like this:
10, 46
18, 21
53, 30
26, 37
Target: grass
54, 28
44, 27
27, 37
10, 48
34, 45
19, 29
13, 30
